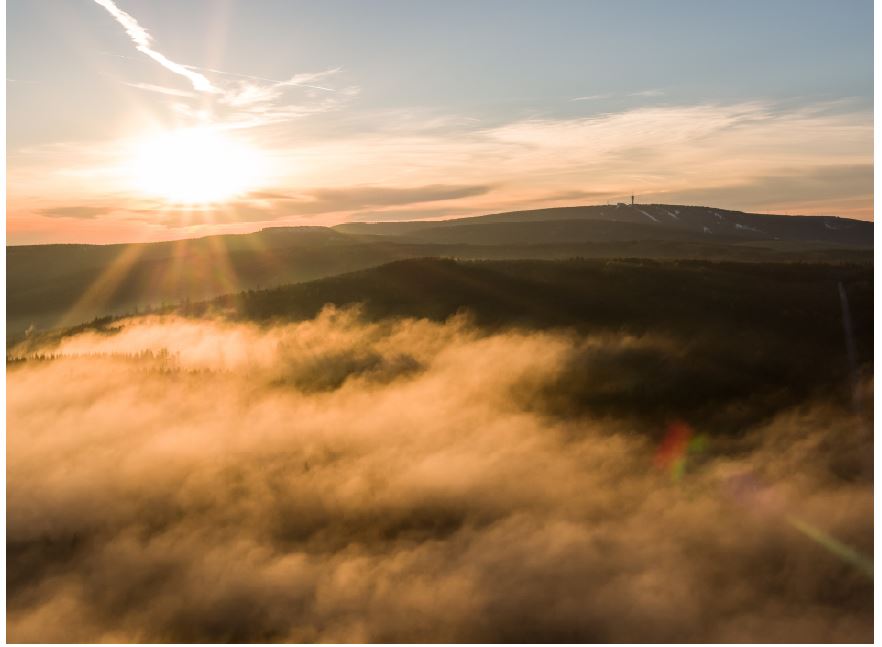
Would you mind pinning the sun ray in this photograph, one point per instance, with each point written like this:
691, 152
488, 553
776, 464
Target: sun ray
99, 294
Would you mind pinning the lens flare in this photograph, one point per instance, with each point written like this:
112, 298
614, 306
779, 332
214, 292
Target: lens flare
676, 447
746, 490
833, 545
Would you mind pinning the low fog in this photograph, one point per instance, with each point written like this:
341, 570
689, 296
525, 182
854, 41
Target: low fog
339, 480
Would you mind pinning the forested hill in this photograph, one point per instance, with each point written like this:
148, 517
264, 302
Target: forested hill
51, 286
632, 294
740, 340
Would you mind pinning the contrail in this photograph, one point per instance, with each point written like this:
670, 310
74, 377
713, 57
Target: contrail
292, 81
142, 40
159, 89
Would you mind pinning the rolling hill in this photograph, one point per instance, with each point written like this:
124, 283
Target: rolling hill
61, 285
734, 342
659, 221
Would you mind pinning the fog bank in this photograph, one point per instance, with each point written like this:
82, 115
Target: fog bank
337, 480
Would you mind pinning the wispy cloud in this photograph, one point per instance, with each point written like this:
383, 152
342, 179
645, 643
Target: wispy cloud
754, 156
143, 43
160, 89
826, 188
269, 206
372, 196
646, 150
593, 97
235, 100
609, 95
302, 80
79, 211
648, 93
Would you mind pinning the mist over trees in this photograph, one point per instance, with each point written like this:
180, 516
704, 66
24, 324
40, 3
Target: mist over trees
542, 447
400, 479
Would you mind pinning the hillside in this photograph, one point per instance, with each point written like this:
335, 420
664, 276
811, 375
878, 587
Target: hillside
736, 341
710, 222
61, 285
633, 295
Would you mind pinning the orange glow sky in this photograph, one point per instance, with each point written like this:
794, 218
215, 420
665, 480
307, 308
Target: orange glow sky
133, 121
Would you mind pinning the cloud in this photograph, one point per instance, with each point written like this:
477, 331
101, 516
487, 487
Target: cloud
266, 206
304, 79
322, 201
579, 195
381, 215
143, 41
714, 154
647, 93
248, 102
336, 480
363, 197
159, 89
811, 188
592, 97
308, 79
77, 211
650, 150
610, 95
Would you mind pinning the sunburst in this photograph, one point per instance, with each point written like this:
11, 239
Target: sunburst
195, 166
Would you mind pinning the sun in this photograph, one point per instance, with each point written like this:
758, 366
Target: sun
195, 166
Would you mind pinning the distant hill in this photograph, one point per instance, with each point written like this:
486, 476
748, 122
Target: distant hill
659, 221
528, 232
60, 285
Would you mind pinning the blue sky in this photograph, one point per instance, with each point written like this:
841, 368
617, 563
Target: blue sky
407, 70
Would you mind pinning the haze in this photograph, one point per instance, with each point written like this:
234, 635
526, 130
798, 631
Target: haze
469, 321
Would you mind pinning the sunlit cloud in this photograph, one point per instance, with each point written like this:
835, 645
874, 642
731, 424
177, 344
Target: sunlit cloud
754, 156
341, 199
159, 89
80, 211
304, 79
268, 206
656, 151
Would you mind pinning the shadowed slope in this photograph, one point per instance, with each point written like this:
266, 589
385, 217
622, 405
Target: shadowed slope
60, 285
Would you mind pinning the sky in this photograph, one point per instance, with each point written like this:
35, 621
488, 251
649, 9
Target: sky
132, 120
